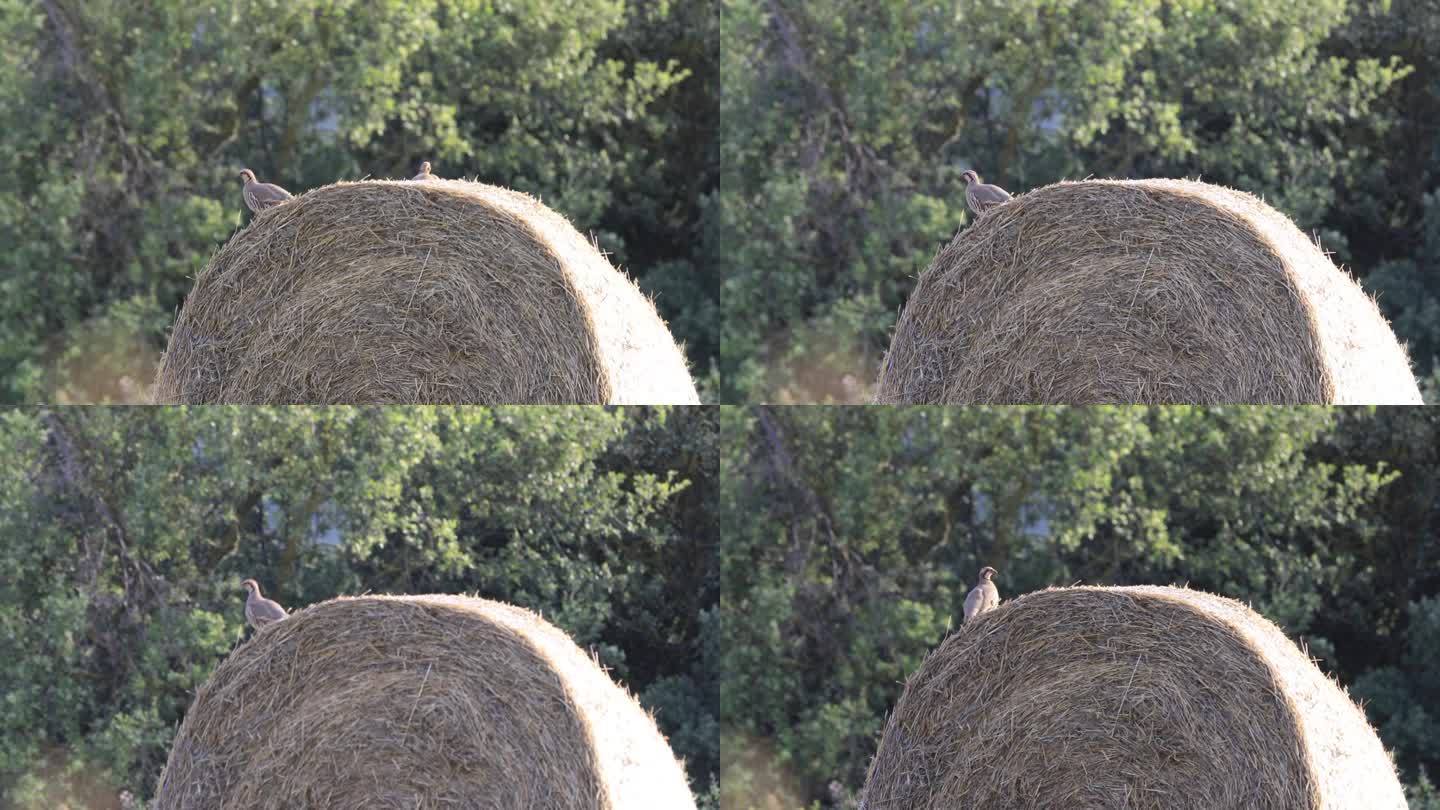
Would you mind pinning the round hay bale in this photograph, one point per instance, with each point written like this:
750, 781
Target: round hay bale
1138, 697
1145, 291
417, 701
442, 291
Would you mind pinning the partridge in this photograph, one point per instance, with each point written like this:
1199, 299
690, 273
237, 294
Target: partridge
424, 172
981, 197
259, 196
260, 611
983, 597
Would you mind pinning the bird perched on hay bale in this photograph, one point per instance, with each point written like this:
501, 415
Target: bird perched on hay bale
1147, 698
1140, 291
424, 172
984, 596
981, 197
260, 611
259, 196
417, 701
397, 292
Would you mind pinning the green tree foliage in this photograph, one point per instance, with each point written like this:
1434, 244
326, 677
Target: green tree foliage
853, 535
846, 126
125, 123
124, 535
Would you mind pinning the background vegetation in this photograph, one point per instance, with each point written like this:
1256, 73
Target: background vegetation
125, 122
853, 534
125, 534
846, 126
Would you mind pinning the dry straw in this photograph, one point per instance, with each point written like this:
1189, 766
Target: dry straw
1153, 291
417, 702
1140, 697
442, 291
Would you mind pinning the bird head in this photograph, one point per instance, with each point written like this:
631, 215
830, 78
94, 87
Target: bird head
425, 167
970, 177
247, 175
251, 585
987, 572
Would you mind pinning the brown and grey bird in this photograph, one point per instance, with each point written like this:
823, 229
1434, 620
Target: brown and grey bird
984, 596
259, 196
981, 197
260, 611
424, 172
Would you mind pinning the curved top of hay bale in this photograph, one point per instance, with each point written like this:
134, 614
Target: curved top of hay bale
442, 291
1138, 697
417, 701
1147, 291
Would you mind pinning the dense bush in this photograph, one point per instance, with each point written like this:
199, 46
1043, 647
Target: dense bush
853, 535
125, 123
125, 533
846, 126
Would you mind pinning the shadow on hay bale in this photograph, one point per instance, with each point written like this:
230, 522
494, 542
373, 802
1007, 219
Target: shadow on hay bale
1148, 291
417, 701
445, 291
1138, 697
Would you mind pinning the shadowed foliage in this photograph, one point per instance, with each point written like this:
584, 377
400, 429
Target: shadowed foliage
125, 534
846, 127
853, 535
126, 121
